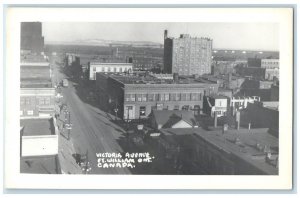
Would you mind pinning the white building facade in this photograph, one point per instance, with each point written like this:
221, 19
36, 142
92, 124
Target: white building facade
95, 67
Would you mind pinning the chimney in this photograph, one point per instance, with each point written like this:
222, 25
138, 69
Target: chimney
215, 120
166, 34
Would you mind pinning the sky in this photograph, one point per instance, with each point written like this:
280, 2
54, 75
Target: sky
248, 36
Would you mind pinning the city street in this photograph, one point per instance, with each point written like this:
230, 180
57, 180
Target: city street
92, 132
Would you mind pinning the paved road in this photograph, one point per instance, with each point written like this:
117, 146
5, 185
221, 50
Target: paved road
92, 130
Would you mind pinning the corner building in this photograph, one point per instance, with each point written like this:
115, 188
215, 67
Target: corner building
187, 55
134, 97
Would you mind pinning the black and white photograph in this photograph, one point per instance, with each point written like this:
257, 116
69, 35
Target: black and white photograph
154, 98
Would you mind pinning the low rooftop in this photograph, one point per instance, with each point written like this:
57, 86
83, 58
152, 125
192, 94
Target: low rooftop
248, 145
215, 96
37, 127
271, 105
33, 58
167, 118
40, 165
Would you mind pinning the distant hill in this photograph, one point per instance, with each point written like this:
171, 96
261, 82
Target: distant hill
108, 43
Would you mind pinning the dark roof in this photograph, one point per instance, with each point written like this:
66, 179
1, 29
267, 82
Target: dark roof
215, 96
40, 165
167, 118
32, 127
247, 145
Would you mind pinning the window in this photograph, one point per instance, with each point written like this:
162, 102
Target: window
167, 97
102, 69
30, 112
108, 70
127, 97
161, 97
156, 97
188, 96
194, 96
177, 96
22, 101
47, 101
172, 96
21, 112
27, 100
142, 111
150, 97
183, 97
132, 96
139, 97
144, 97
94, 69
42, 101
115, 69
121, 70
220, 103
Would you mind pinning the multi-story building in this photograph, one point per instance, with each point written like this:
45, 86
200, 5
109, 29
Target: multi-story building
31, 37
187, 55
35, 72
37, 102
134, 97
215, 105
37, 95
95, 67
270, 63
272, 68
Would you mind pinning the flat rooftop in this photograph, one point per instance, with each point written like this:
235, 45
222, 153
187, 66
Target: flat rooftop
32, 58
248, 145
274, 105
37, 127
40, 165
149, 79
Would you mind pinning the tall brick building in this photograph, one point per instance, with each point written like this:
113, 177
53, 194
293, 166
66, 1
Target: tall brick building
187, 55
31, 37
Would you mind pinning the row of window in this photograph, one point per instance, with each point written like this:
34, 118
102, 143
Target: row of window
30, 112
112, 69
28, 101
142, 111
163, 97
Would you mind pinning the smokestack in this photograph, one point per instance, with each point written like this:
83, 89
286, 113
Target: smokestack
237, 120
216, 120
166, 34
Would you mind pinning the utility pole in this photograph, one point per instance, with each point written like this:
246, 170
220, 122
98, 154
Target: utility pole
116, 109
69, 129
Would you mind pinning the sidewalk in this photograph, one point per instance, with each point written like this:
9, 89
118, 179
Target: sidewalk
65, 152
